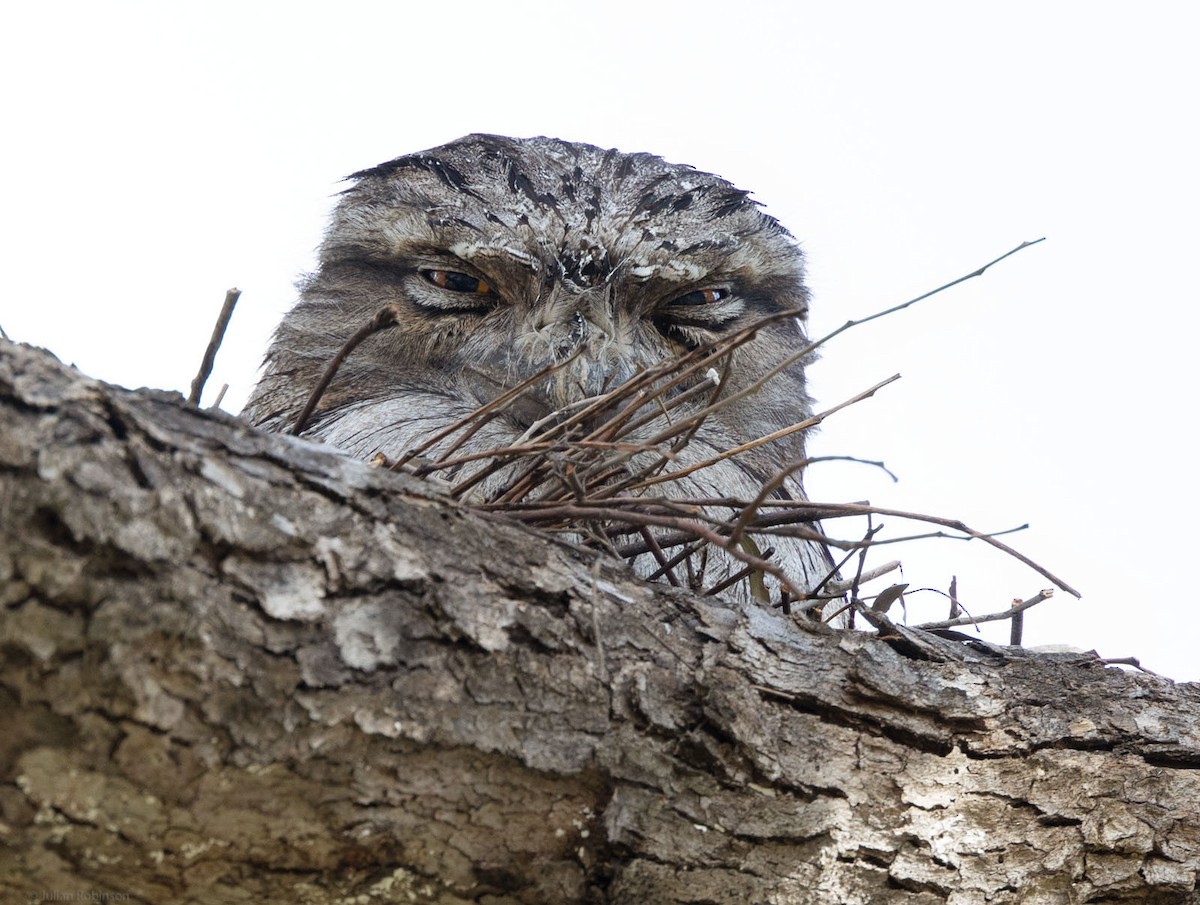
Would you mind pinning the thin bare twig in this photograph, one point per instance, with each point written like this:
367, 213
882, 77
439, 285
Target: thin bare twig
970, 276
661, 557
871, 574
740, 575
214, 343
876, 464
480, 414
385, 317
956, 525
942, 535
800, 425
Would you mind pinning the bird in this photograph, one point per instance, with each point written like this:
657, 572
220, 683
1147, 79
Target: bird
501, 257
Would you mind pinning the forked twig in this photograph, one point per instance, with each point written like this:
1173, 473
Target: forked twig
1019, 606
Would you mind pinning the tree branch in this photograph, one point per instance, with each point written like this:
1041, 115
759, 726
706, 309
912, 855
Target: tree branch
241, 667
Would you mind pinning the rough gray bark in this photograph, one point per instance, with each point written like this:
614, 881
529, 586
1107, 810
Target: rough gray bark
242, 668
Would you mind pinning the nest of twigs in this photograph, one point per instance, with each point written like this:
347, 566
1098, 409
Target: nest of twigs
597, 472
600, 472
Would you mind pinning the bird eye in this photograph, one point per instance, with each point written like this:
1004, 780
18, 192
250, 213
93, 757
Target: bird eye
699, 316
454, 281
708, 296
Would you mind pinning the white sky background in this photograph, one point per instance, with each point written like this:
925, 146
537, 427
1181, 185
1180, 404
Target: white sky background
156, 154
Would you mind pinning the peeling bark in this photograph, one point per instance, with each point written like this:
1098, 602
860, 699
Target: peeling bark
244, 668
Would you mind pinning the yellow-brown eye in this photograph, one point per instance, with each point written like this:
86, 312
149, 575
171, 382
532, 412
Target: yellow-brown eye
457, 282
708, 296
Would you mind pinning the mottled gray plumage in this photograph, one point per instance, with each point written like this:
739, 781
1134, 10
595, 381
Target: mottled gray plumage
631, 259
